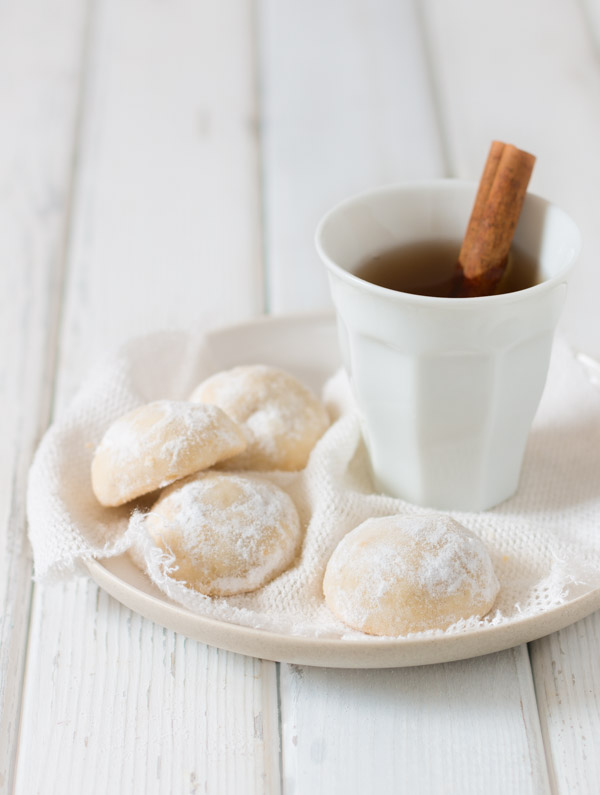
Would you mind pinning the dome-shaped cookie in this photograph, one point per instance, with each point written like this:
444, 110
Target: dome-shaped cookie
158, 443
229, 534
399, 574
281, 417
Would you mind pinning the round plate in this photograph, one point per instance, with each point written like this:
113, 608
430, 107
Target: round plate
307, 346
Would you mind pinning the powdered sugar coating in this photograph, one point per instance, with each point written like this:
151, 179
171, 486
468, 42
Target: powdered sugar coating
397, 574
281, 417
227, 533
158, 443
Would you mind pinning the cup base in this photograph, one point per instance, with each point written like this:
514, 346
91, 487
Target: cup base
463, 503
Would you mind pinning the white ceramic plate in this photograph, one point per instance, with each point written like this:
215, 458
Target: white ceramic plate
307, 346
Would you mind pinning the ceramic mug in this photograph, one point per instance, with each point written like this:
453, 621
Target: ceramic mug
446, 388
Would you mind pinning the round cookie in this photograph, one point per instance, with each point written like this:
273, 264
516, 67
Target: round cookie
158, 443
228, 533
401, 574
282, 419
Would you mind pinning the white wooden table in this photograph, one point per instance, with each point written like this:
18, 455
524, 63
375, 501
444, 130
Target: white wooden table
163, 164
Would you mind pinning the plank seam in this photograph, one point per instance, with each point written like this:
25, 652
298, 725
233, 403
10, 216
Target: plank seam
434, 87
255, 16
590, 28
543, 728
279, 725
57, 331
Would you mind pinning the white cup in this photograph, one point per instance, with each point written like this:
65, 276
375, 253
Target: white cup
447, 387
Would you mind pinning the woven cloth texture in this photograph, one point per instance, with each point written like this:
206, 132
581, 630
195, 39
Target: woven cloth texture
544, 541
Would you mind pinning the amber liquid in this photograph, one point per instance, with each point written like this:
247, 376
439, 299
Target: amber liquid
430, 268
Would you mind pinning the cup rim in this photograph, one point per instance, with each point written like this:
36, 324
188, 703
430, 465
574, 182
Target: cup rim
447, 183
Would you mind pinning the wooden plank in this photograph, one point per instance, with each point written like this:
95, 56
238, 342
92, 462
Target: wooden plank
345, 106
455, 728
166, 226
164, 233
40, 49
124, 705
348, 103
567, 685
501, 74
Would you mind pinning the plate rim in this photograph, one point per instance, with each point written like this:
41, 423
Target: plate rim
370, 652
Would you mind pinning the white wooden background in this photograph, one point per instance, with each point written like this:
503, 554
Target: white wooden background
164, 163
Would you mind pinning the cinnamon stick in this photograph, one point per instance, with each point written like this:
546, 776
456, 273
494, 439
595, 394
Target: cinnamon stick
484, 253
